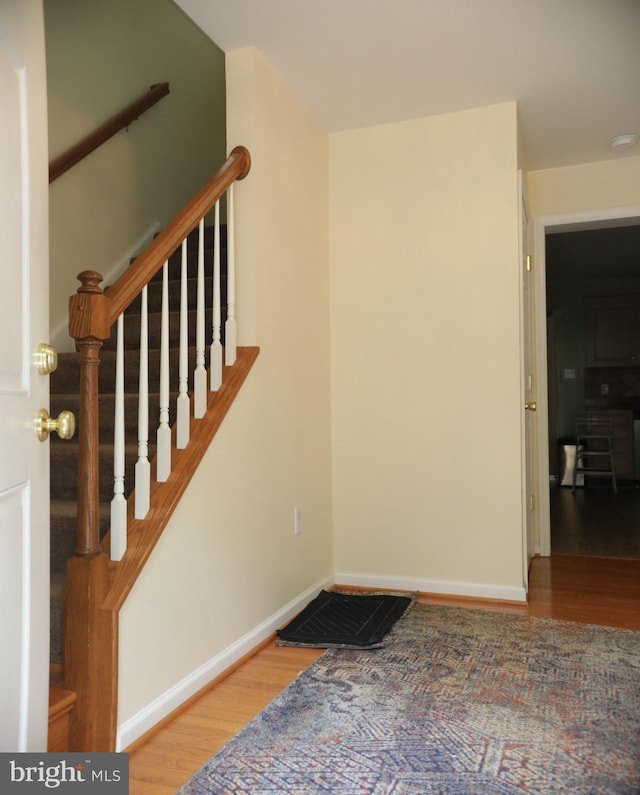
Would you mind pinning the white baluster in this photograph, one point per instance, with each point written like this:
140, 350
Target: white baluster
200, 374
215, 354
163, 460
118, 503
230, 326
183, 404
143, 469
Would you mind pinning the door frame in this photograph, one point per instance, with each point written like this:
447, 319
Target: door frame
543, 225
527, 435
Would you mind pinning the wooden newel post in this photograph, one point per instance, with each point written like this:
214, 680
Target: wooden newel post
90, 631
89, 326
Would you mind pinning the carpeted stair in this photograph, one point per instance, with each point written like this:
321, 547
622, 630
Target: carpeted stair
65, 395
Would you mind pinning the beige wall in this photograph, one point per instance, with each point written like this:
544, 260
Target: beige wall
592, 186
425, 353
229, 560
100, 57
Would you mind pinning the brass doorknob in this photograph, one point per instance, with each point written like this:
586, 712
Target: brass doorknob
530, 406
64, 425
46, 359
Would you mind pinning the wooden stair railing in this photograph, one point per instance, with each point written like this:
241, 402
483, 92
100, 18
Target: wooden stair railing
96, 585
91, 142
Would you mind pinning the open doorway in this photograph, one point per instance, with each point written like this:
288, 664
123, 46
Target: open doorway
582, 259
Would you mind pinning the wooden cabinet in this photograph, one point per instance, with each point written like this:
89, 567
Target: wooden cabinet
613, 340
613, 331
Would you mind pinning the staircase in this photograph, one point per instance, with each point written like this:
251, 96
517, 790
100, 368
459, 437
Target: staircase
64, 389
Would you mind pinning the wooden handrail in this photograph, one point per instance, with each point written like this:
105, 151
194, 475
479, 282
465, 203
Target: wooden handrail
129, 285
76, 153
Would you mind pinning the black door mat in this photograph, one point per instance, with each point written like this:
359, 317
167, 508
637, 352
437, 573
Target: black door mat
348, 621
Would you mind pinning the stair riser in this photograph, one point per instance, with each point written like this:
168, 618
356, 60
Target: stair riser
63, 536
106, 413
193, 237
175, 263
66, 380
154, 295
64, 479
132, 329
56, 614
209, 233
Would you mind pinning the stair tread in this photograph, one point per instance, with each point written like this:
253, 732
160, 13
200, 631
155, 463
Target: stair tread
71, 444
66, 508
60, 701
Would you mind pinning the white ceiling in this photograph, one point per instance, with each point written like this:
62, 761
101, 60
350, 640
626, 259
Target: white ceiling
572, 65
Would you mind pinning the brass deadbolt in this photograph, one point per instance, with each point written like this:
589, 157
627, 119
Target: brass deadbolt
46, 359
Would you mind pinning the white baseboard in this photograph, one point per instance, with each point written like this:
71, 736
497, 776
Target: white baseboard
153, 713
448, 587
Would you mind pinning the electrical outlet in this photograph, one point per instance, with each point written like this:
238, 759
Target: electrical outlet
297, 521
604, 389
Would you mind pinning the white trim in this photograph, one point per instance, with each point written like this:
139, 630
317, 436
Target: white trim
448, 587
570, 221
523, 218
159, 708
59, 337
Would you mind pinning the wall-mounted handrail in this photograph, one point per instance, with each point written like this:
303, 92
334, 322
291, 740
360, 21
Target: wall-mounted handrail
76, 153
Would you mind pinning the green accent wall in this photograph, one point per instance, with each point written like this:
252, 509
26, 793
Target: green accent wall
101, 56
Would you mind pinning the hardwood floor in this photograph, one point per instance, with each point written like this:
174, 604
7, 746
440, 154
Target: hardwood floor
575, 588
595, 521
589, 590
177, 751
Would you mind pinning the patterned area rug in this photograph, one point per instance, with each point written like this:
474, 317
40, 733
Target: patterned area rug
458, 702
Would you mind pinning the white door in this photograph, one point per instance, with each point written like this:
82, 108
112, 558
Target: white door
24, 317
529, 508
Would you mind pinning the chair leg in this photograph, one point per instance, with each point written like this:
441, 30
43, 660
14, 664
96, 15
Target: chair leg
575, 468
